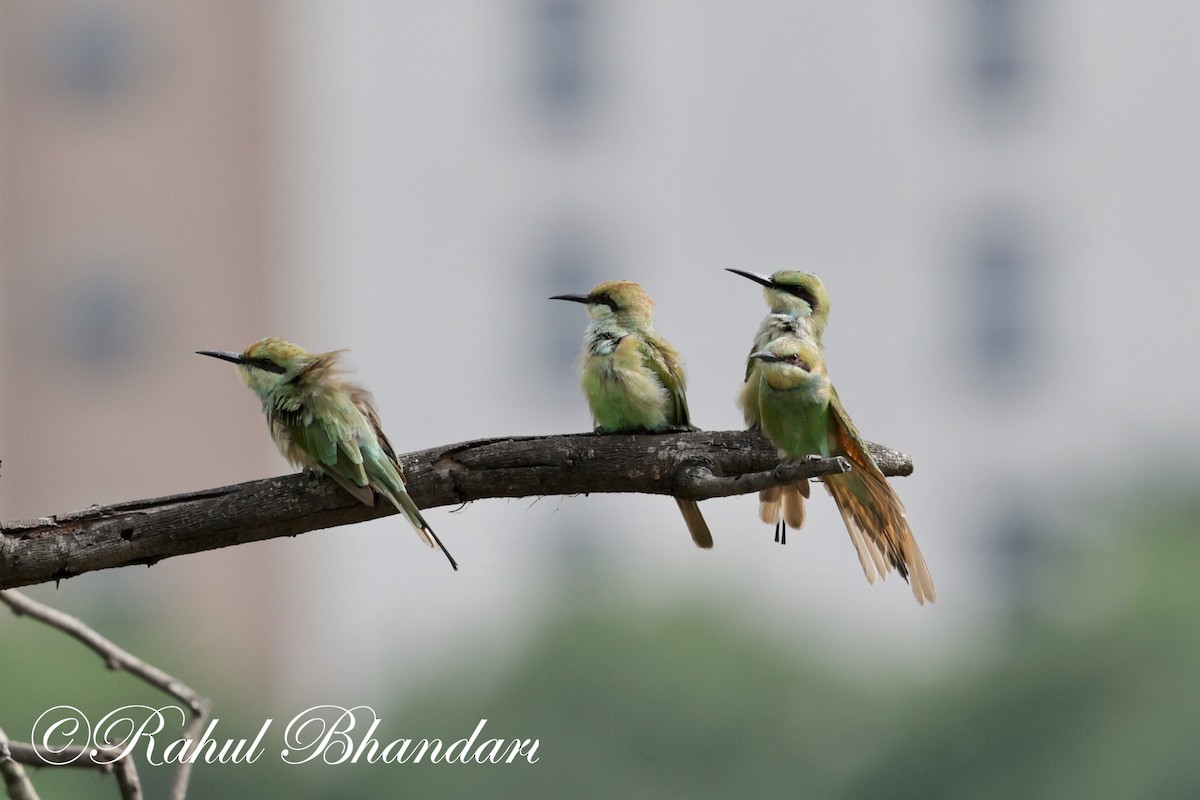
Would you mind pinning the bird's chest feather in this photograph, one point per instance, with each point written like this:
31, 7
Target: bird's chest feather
796, 419
622, 391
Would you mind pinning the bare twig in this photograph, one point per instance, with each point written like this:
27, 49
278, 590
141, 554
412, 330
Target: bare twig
16, 782
145, 531
183, 771
700, 481
127, 779
85, 757
69, 756
115, 658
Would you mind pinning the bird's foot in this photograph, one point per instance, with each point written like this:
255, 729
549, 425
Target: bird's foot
813, 458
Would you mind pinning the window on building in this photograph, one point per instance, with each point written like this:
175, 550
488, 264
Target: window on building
1003, 308
102, 318
95, 52
563, 53
998, 49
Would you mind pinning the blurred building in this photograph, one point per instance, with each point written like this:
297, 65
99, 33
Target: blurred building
131, 234
975, 181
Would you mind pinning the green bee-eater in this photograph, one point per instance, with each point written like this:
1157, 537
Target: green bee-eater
799, 307
801, 414
634, 379
322, 422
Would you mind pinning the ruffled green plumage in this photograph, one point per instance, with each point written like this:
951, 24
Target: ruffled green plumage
321, 421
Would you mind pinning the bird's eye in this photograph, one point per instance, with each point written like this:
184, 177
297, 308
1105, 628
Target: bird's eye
796, 360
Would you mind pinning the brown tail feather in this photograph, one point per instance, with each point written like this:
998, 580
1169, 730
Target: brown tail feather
858, 522
878, 525
784, 503
793, 503
770, 505
701, 535
873, 513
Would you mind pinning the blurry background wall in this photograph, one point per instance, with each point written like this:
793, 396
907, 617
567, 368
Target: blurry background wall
999, 195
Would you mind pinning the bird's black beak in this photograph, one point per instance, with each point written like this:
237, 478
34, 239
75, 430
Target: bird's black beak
224, 355
763, 355
574, 298
754, 276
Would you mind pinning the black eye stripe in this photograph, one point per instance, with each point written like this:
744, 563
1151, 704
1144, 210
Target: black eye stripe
266, 365
607, 300
803, 294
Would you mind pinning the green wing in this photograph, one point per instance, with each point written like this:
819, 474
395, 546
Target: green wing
750, 362
848, 434
663, 361
330, 444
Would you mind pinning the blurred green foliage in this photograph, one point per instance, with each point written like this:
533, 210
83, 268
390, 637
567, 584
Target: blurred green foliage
1088, 688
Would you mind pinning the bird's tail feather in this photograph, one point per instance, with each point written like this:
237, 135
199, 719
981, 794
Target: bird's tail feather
405, 504
793, 503
770, 504
878, 527
701, 535
874, 515
784, 503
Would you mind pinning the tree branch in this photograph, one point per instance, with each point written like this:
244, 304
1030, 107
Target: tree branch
694, 465
123, 770
115, 657
16, 782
